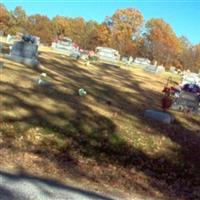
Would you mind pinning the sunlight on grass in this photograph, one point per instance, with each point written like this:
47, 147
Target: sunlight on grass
105, 126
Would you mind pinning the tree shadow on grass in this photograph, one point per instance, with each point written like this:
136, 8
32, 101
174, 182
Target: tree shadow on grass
94, 135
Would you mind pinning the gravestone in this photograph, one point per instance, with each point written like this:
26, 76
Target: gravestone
24, 49
8, 38
191, 78
160, 116
186, 101
24, 52
130, 60
151, 68
125, 60
64, 46
142, 61
172, 69
12, 38
154, 69
160, 69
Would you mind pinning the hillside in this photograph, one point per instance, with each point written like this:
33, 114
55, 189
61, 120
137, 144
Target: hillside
100, 141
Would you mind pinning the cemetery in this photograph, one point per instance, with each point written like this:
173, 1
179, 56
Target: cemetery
100, 103
96, 110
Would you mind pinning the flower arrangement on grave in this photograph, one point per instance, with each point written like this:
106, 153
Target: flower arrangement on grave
170, 92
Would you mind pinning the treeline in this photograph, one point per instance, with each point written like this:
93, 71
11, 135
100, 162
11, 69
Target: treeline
126, 31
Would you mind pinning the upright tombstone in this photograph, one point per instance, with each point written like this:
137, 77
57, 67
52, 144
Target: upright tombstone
11, 39
186, 101
142, 61
155, 62
24, 52
67, 47
130, 60
154, 69
191, 78
160, 69
150, 68
172, 69
8, 38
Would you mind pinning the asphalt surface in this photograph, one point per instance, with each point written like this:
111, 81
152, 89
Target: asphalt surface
25, 187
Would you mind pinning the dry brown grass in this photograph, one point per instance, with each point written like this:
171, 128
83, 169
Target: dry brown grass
101, 139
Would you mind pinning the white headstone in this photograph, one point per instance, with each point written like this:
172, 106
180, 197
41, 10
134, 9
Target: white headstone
151, 68
191, 78
160, 69
172, 69
142, 61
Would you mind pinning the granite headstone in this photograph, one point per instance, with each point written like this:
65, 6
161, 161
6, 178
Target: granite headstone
186, 101
24, 52
159, 116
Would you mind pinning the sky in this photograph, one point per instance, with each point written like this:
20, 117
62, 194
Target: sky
182, 15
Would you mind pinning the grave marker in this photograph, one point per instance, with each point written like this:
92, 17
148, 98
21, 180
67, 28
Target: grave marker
142, 61
24, 52
154, 69
172, 69
191, 78
186, 101
160, 116
160, 69
150, 68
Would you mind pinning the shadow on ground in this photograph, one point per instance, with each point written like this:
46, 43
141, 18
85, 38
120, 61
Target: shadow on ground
94, 135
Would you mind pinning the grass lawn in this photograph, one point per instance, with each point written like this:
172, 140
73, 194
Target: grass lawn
101, 140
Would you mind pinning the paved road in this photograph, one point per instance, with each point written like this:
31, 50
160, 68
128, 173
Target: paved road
24, 187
